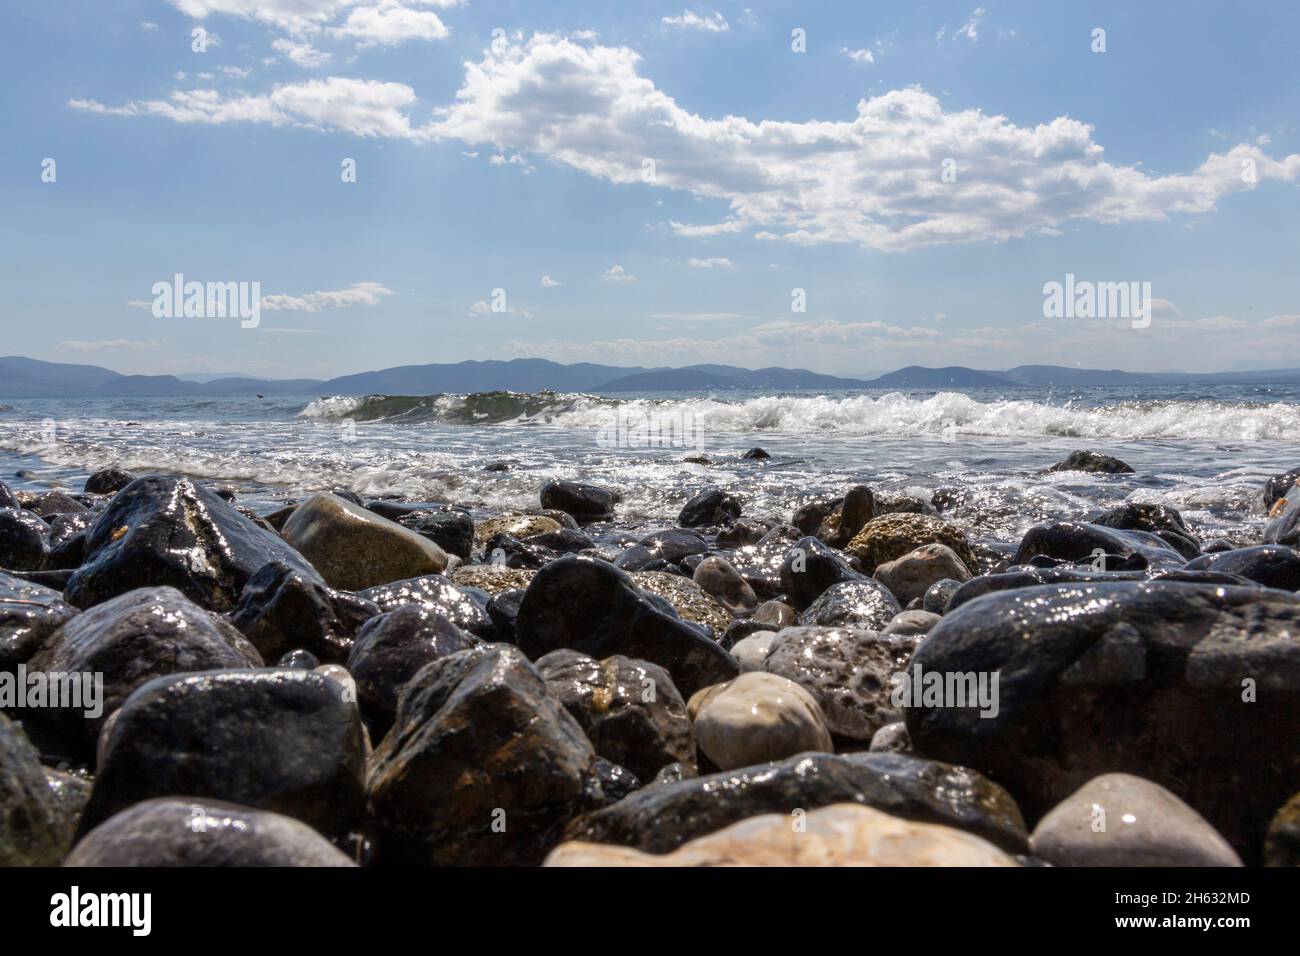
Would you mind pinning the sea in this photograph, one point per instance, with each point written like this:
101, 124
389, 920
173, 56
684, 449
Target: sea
1206, 450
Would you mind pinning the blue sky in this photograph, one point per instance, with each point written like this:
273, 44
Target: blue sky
483, 168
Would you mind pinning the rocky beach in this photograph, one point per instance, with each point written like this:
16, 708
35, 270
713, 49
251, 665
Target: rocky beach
881, 673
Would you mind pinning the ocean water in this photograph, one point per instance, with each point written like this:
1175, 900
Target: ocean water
1206, 451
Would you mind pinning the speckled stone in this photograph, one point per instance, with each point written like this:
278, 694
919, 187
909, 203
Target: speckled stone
848, 671
894, 535
687, 598
492, 578
755, 718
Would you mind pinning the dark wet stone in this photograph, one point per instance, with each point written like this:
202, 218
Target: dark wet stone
938, 595
24, 540
143, 634
7, 499
628, 708
1092, 461
849, 516
29, 614
1282, 844
585, 503
741, 532
760, 564
808, 518
1284, 526
595, 608
756, 454
299, 660
283, 607
497, 466
180, 831
673, 773
1080, 541
439, 594
615, 782
51, 503
1161, 520
669, 546
1273, 566
483, 766
69, 793
1195, 688
709, 508
809, 568
169, 531
68, 533
848, 670
390, 650
503, 609
717, 578
108, 481
564, 541
660, 818
865, 603
452, 529
508, 551
1279, 487
1027, 577
30, 831
274, 739
739, 630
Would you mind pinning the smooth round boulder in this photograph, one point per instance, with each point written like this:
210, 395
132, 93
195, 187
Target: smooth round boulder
839, 835
24, 540
755, 718
29, 613
1092, 462
354, 549
586, 503
30, 832
178, 831
719, 579
127, 641
911, 576
277, 739
108, 481
1118, 819
709, 508
866, 603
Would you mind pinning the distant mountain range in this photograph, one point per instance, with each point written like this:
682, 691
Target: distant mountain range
32, 378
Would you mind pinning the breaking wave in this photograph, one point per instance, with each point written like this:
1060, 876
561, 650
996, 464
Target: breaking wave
895, 414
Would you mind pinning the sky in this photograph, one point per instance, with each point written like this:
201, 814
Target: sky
845, 187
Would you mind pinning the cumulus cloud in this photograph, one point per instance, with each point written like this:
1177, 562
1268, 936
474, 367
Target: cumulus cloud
481, 308
389, 24
720, 262
301, 53
617, 273
549, 283
859, 56
359, 293
689, 20
874, 179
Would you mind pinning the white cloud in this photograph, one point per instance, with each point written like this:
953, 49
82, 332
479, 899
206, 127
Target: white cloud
617, 273
294, 15
148, 25
389, 24
359, 293
697, 316
549, 283
859, 56
689, 20
971, 31
105, 345
874, 179
235, 72
301, 53
358, 107
716, 263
